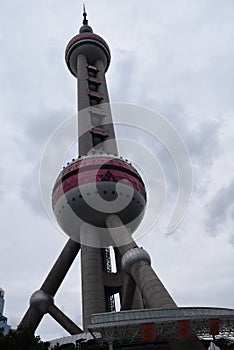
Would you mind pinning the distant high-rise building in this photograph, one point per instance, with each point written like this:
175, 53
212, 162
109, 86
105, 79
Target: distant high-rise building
3, 320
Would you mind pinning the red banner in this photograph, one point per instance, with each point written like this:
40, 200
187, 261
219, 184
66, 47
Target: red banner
184, 329
147, 332
214, 326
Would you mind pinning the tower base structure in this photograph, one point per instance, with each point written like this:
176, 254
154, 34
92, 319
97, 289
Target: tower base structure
176, 329
136, 281
159, 323
166, 329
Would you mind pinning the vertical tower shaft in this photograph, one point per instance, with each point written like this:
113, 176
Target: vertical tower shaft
95, 125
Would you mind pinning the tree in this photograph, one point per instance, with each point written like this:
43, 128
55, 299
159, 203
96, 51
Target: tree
22, 339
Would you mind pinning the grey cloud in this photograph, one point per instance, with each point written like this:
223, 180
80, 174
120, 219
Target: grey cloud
30, 191
202, 137
123, 86
41, 126
220, 209
204, 142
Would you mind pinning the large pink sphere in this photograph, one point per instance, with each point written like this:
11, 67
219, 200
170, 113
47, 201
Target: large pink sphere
92, 187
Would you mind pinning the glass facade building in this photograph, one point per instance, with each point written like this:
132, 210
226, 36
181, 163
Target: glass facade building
3, 320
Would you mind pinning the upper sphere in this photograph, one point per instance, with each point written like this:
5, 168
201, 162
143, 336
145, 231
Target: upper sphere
86, 28
89, 44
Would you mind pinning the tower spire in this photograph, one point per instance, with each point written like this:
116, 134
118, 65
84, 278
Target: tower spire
85, 21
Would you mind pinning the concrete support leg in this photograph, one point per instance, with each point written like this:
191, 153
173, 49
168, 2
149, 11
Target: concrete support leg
63, 320
137, 302
31, 319
93, 291
152, 289
128, 291
33, 316
131, 295
61, 267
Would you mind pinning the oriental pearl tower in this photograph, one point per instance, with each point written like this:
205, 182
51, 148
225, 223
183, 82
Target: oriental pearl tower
97, 177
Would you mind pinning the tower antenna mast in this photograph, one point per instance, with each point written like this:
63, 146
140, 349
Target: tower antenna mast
85, 21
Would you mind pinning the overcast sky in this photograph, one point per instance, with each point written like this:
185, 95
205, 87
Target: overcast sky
175, 57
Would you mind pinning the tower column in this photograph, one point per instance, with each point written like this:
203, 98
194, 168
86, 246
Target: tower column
152, 289
130, 295
93, 290
106, 122
85, 140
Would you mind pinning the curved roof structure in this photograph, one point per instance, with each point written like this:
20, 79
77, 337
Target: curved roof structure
126, 326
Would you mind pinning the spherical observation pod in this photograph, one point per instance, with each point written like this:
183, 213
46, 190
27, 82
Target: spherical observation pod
92, 187
88, 44
132, 256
